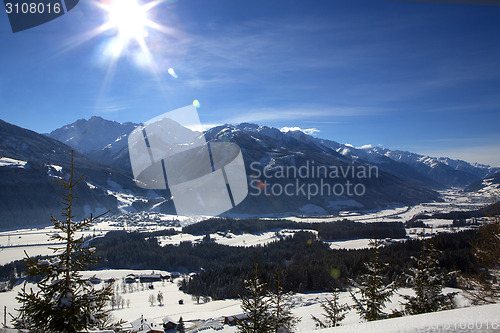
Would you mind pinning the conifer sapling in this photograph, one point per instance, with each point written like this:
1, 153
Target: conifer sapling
64, 301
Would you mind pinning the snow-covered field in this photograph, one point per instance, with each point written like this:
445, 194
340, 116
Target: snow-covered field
212, 313
205, 315
454, 199
232, 239
36, 241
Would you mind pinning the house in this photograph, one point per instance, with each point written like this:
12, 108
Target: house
145, 325
145, 278
131, 278
169, 324
231, 320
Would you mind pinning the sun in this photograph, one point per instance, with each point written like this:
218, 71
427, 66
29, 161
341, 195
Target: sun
129, 18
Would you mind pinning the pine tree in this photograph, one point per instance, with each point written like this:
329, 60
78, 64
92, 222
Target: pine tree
374, 293
428, 283
256, 307
180, 326
484, 288
281, 305
334, 312
65, 301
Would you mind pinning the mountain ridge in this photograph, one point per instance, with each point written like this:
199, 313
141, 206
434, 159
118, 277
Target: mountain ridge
439, 172
110, 183
30, 161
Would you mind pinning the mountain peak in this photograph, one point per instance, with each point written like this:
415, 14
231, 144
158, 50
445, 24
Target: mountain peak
90, 135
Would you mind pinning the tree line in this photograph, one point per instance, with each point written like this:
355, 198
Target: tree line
343, 229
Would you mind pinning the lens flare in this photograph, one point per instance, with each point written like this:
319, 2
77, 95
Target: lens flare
173, 74
335, 273
196, 103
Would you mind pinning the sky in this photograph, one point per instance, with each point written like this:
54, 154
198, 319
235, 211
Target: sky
416, 76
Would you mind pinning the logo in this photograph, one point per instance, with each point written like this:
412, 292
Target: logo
26, 14
204, 178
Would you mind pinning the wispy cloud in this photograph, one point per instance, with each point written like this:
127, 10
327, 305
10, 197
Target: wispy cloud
253, 50
281, 113
111, 107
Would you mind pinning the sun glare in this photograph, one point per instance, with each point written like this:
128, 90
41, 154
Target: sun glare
129, 18
127, 29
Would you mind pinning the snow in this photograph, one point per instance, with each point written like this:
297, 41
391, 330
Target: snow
489, 187
454, 199
36, 241
177, 239
474, 319
204, 315
351, 244
232, 239
12, 163
58, 168
10, 254
210, 314
54, 168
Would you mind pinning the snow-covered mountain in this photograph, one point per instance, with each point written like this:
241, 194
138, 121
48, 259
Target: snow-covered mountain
274, 150
105, 141
440, 170
99, 139
30, 161
402, 178
93, 134
489, 184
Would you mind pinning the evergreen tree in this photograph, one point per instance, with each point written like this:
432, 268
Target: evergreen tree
334, 312
180, 326
484, 288
428, 283
65, 301
256, 307
281, 305
374, 292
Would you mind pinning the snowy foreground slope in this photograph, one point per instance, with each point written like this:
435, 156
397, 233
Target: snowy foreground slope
485, 318
209, 316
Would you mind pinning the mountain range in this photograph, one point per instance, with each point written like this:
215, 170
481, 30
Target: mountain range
28, 162
105, 141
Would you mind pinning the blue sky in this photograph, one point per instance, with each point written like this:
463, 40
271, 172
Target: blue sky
422, 77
